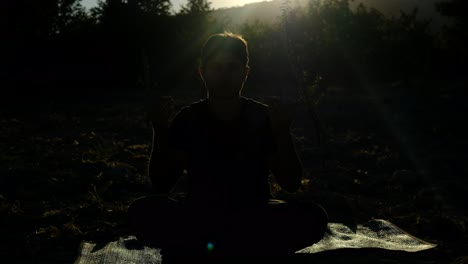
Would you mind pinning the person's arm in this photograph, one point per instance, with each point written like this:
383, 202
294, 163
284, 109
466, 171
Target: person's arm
284, 161
166, 165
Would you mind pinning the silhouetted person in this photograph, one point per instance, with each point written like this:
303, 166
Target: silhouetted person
228, 145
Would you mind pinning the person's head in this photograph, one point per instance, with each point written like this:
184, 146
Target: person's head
224, 65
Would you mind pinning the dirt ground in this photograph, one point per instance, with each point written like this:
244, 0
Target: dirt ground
69, 171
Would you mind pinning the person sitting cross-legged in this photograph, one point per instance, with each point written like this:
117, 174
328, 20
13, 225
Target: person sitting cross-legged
228, 145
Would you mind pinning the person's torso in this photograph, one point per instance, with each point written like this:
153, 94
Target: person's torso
227, 160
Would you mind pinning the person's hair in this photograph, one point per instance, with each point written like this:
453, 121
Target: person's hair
225, 42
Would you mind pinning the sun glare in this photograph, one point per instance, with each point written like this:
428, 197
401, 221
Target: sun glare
215, 4
231, 3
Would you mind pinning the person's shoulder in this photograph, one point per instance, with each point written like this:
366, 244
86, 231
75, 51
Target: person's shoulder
254, 104
192, 107
198, 105
191, 110
254, 107
255, 111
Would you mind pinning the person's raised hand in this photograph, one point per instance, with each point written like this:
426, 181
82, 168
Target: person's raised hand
162, 110
281, 113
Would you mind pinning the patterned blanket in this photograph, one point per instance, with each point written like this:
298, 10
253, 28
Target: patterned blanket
376, 233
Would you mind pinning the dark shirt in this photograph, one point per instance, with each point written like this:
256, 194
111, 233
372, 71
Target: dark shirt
227, 160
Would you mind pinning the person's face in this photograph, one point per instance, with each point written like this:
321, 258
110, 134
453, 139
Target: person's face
224, 75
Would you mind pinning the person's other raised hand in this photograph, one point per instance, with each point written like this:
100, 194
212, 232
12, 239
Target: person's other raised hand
281, 113
162, 110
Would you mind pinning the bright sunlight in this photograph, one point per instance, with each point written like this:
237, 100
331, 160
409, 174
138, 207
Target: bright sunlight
215, 4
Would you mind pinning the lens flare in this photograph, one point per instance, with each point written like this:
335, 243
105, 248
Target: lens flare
210, 246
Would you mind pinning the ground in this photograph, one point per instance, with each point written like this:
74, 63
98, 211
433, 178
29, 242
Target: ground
69, 171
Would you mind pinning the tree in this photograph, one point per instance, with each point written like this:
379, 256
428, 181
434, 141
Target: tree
455, 9
454, 42
196, 7
69, 12
456, 34
153, 7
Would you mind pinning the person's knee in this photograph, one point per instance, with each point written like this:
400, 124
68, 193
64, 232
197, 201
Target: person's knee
323, 215
136, 207
317, 218
141, 209
146, 203
141, 217
322, 222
